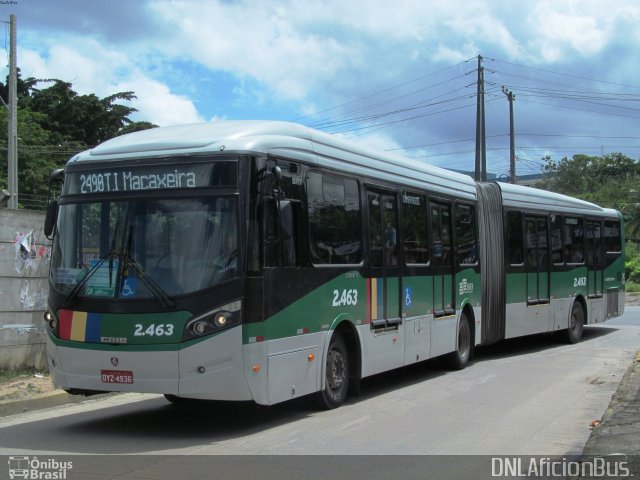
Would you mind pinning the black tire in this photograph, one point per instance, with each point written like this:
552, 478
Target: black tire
336, 378
576, 323
460, 358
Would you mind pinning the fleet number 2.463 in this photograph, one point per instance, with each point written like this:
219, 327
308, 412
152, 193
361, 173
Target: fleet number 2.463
346, 297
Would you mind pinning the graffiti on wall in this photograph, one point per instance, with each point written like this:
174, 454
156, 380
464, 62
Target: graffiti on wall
28, 253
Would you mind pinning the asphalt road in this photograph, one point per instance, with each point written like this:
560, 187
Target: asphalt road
530, 396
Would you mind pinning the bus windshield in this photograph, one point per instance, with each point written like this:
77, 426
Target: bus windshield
145, 247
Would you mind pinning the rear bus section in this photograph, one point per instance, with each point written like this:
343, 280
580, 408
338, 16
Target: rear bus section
563, 264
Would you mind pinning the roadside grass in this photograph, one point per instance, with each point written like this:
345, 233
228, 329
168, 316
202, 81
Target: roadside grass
13, 375
632, 287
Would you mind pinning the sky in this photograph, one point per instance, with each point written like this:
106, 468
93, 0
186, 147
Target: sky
398, 75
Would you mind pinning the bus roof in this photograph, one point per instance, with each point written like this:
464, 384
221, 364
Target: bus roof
284, 139
306, 145
527, 198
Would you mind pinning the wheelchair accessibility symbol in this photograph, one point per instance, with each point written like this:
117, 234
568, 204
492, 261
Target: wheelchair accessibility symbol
128, 287
408, 296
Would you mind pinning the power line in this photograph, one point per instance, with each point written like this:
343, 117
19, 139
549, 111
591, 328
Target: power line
381, 91
567, 74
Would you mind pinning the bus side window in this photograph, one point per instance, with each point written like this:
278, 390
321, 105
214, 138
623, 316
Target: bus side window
333, 205
466, 235
514, 238
594, 243
557, 251
611, 237
415, 225
574, 240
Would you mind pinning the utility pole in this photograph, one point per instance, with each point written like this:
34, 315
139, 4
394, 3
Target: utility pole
512, 143
12, 133
481, 146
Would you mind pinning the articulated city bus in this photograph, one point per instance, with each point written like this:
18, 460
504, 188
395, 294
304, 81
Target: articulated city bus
265, 261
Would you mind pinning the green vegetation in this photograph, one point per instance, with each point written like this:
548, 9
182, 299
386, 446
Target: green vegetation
12, 375
611, 181
54, 123
632, 267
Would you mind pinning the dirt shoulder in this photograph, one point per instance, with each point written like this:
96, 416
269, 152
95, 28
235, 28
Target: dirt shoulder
24, 385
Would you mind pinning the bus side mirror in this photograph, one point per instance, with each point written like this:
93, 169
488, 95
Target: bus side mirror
56, 177
51, 219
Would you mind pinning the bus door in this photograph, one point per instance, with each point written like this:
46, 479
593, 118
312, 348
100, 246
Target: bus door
442, 260
384, 284
594, 259
538, 270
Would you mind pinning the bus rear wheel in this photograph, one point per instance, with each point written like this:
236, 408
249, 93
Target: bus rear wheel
576, 323
336, 378
460, 357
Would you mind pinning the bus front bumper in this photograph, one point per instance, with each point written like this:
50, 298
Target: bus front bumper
209, 369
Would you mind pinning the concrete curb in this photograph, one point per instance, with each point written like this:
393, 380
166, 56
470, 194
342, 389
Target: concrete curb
47, 400
618, 436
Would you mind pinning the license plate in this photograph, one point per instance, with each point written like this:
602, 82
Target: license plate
116, 376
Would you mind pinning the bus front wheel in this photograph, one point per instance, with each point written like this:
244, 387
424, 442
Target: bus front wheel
336, 378
576, 323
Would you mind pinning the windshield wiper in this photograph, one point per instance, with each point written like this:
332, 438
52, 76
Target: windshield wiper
156, 289
87, 276
84, 280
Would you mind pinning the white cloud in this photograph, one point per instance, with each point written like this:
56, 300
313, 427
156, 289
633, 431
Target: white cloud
157, 104
294, 49
562, 34
92, 68
87, 65
486, 27
564, 29
309, 55
259, 40
447, 54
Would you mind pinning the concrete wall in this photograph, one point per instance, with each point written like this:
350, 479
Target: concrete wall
24, 271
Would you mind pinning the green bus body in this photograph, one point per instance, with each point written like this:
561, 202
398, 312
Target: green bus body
265, 261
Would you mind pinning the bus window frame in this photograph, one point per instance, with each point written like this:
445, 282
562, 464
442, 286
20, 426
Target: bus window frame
562, 262
605, 244
474, 209
521, 264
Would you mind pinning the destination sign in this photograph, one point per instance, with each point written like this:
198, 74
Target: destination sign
151, 177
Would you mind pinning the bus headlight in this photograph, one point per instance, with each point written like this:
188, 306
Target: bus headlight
51, 321
221, 319
213, 321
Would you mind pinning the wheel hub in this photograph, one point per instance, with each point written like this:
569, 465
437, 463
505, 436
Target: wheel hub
336, 374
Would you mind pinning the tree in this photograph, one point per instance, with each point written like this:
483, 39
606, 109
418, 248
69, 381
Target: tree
84, 118
611, 181
54, 123
37, 157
